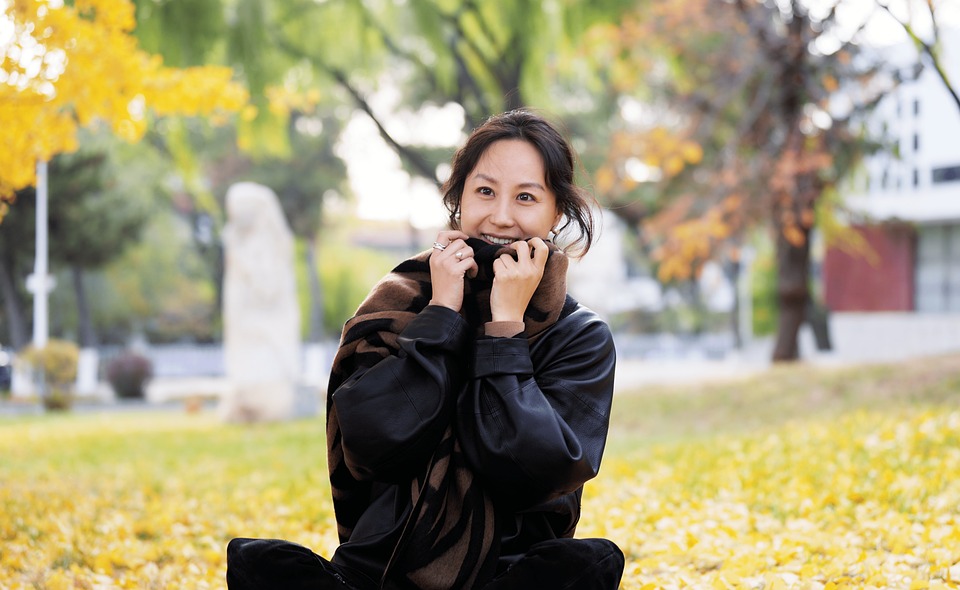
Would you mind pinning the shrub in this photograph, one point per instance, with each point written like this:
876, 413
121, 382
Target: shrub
56, 363
128, 373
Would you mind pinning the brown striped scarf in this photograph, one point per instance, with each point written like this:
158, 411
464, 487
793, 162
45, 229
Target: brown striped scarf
451, 539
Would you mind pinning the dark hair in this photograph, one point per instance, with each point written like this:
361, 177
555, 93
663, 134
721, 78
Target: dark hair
558, 162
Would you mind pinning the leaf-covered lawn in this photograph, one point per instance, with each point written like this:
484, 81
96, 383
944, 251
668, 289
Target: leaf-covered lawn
864, 501
800, 479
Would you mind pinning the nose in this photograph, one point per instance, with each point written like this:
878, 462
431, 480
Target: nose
502, 214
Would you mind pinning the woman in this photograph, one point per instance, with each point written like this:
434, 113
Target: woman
470, 397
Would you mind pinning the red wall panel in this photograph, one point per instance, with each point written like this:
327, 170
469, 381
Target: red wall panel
853, 283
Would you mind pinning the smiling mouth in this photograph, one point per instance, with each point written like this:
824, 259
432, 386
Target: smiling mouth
498, 241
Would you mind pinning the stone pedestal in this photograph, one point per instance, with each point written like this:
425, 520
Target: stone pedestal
88, 364
261, 317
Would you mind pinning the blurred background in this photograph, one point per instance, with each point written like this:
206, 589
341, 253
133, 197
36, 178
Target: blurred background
776, 180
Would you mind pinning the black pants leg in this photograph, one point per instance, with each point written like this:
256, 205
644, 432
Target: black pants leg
564, 564
272, 564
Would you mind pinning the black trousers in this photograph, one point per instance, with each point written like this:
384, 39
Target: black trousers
557, 564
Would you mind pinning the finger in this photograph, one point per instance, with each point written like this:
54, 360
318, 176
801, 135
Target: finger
446, 237
449, 248
506, 263
461, 263
473, 269
523, 250
441, 242
458, 250
540, 252
464, 253
457, 244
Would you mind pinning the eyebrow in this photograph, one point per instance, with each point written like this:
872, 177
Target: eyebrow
490, 179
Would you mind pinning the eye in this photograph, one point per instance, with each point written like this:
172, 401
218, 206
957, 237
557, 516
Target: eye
527, 197
485, 190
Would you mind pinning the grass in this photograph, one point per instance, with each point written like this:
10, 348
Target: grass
800, 478
779, 395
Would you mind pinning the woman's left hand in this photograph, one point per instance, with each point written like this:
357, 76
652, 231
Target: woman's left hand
515, 281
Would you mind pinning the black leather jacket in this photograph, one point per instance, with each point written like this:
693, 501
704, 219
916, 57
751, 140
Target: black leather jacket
532, 420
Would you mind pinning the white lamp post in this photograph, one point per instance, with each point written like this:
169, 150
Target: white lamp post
40, 283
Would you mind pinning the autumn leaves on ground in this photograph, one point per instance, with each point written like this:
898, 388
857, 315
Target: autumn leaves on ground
801, 478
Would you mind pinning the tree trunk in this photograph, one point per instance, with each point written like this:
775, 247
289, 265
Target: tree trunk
316, 331
819, 323
793, 292
698, 306
731, 271
12, 311
88, 335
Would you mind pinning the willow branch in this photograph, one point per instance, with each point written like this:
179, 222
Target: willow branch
417, 162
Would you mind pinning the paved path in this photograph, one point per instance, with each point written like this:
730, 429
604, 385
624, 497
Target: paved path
633, 374
636, 373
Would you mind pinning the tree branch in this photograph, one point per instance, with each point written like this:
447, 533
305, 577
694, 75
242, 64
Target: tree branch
466, 80
417, 162
394, 48
757, 107
484, 25
926, 48
414, 159
760, 32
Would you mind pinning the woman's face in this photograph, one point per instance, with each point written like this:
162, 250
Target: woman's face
506, 198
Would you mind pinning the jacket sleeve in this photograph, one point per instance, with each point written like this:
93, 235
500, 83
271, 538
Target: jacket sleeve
392, 414
535, 432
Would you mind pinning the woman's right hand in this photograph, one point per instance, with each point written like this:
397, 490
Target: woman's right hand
447, 269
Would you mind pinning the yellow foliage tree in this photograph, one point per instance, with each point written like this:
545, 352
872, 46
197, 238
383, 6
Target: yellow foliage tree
63, 67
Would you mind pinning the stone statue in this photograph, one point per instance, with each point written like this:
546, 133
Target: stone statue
261, 317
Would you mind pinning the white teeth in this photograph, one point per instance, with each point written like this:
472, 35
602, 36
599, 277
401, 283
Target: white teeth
499, 241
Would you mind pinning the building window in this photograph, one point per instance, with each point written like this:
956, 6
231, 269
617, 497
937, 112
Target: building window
916, 107
884, 179
916, 177
916, 142
946, 174
937, 280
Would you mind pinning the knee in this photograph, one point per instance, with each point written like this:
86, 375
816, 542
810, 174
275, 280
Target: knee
248, 552
568, 564
605, 554
611, 554
270, 563
599, 563
237, 549
583, 551
607, 549
606, 562
241, 564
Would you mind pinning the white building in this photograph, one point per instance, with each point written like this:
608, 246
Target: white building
906, 301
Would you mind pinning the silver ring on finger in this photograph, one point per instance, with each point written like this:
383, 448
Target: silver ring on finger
439, 246
459, 255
